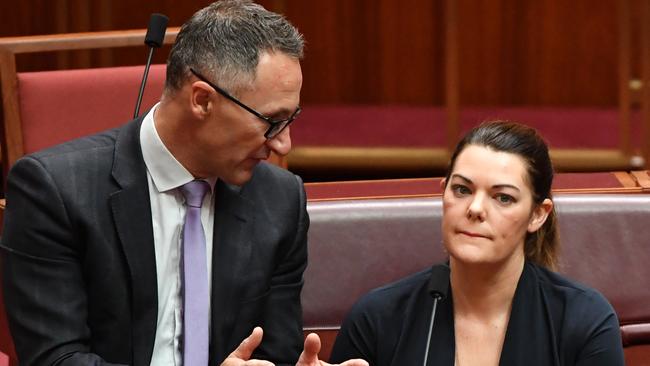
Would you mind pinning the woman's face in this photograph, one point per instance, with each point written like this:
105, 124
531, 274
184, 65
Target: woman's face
488, 207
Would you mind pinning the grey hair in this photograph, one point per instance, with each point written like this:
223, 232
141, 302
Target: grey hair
224, 40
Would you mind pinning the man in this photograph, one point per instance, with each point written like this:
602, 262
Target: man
166, 241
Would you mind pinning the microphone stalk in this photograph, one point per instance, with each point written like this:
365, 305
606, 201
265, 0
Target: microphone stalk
433, 316
143, 83
438, 288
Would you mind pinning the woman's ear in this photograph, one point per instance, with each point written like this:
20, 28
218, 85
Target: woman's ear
540, 214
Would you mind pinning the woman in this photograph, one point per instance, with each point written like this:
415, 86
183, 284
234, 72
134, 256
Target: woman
504, 304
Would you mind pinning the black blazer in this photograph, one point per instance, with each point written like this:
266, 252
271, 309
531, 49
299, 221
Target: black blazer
79, 266
553, 322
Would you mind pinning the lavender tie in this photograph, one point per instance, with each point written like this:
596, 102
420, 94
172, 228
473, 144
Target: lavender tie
196, 296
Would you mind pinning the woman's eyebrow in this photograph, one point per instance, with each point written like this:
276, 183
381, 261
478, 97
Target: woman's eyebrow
500, 186
496, 186
467, 180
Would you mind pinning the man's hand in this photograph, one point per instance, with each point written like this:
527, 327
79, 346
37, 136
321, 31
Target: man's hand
241, 356
309, 356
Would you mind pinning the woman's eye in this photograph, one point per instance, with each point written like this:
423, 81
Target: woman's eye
460, 190
505, 198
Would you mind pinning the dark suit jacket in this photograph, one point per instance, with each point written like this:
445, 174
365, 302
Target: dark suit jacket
553, 322
79, 265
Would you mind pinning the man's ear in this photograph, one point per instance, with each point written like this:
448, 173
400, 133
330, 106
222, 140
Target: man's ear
540, 214
443, 184
201, 102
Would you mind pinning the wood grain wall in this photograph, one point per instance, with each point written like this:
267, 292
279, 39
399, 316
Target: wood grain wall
521, 52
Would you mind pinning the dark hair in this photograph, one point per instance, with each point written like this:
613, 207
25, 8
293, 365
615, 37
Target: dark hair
542, 246
223, 41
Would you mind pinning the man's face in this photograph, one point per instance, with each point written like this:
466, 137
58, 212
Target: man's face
230, 142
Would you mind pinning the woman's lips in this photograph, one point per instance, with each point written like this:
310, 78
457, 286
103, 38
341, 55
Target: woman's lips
473, 235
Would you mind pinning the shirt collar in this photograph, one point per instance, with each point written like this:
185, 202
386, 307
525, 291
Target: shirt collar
166, 172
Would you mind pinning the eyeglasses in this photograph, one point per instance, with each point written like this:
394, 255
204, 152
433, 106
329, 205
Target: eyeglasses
276, 125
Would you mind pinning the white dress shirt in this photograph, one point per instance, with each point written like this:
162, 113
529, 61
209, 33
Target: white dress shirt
165, 175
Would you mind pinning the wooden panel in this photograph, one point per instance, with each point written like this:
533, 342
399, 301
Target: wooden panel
608, 182
511, 51
643, 179
547, 52
177, 11
33, 17
371, 51
538, 52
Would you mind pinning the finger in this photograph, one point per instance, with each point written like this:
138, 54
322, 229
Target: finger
355, 362
309, 354
248, 345
258, 363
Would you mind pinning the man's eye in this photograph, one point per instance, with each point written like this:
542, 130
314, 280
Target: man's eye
277, 120
278, 117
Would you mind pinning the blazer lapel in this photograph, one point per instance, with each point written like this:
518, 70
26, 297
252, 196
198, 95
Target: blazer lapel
231, 253
529, 325
132, 214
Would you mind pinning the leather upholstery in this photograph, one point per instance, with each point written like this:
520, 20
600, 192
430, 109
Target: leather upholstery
53, 112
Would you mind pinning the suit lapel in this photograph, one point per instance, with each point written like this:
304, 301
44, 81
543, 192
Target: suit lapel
132, 214
231, 253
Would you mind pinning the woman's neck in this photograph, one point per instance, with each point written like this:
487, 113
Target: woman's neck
485, 290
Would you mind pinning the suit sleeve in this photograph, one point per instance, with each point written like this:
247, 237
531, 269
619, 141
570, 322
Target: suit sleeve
282, 319
43, 283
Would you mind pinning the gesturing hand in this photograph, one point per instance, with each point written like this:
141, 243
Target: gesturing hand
309, 356
241, 356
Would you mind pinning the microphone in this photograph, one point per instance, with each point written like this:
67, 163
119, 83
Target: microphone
156, 30
439, 281
438, 288
154, 39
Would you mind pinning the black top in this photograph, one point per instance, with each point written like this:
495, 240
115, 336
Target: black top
554, 321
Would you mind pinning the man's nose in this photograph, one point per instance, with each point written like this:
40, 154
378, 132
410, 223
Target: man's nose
280, 144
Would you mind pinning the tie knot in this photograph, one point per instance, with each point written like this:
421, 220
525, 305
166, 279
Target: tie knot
194, 192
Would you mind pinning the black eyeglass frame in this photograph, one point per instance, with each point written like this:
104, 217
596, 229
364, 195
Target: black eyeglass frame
276, 126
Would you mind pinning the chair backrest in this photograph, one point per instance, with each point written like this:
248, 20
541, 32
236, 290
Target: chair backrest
56, 106
83, 100
359, 244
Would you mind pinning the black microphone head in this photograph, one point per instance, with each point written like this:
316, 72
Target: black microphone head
439, 281
156, 30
